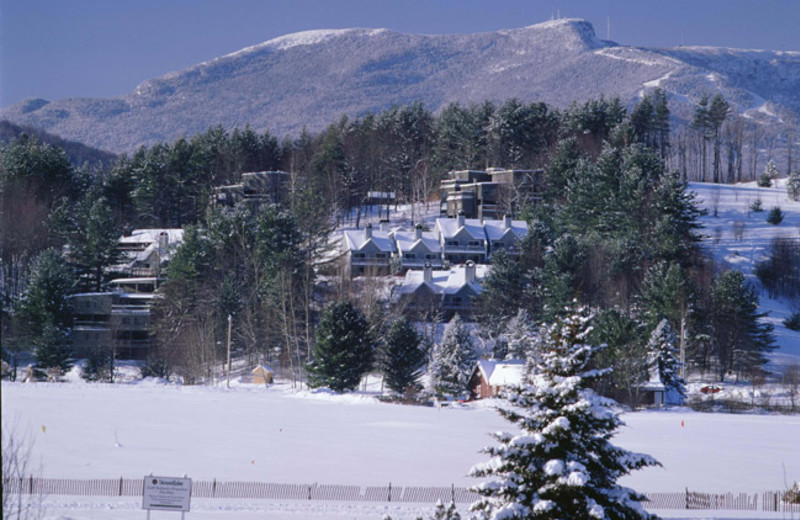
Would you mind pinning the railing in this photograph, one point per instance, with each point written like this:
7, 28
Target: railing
770, 501
370, 261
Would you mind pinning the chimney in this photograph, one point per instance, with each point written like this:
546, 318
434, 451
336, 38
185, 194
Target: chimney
418, 232
427, 272
507, 222
469, 271
368, 231
163, 241
461, 218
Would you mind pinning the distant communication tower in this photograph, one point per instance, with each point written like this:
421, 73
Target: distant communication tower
608, 27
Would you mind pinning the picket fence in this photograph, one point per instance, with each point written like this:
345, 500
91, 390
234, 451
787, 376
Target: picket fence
772, 501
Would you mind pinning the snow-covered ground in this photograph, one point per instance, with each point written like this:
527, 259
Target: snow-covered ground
279, 435
284, 435
733, 211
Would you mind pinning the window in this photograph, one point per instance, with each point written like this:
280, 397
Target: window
359, 255
452, 243
380, 255
409, 256
474, 243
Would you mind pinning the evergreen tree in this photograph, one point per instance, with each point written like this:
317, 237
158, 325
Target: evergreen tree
625, 354
503, 289
453, 360
93, 238
560, 464
663, 347
517, 335
34, 177
740, 338
343, 350
402, 356
44, 308
665, 294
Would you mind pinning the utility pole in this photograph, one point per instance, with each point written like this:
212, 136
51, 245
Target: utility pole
230, 321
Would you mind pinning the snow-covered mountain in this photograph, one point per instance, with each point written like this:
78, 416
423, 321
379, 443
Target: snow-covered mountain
310, 79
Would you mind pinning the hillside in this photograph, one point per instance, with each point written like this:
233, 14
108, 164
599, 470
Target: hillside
310, 79
77, 153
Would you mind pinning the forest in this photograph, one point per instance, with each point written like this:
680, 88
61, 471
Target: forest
615, 229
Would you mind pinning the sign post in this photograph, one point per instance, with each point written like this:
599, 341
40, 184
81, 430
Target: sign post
167, 494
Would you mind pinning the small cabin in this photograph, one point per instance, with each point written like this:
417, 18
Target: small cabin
491, 376
262, 375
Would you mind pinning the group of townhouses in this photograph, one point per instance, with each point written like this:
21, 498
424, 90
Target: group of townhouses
443, 267
453, 241
118, 320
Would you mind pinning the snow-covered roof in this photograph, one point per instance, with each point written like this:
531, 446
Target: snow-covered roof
458, 278
450, 227
497, 229
356, 240
120, 281
149, 236
407, 240
502, 373
447, 281
142, 243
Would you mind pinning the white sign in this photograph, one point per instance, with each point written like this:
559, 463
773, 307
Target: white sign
167, 493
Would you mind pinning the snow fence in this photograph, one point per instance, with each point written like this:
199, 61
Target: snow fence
771, 501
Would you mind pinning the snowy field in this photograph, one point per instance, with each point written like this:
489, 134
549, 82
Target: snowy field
282, 435
278, 435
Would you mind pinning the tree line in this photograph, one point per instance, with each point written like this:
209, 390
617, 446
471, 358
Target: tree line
615, 230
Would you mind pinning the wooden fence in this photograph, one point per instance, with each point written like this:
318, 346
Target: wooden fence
769, 501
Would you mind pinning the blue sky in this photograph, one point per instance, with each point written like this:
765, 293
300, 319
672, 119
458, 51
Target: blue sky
100, 48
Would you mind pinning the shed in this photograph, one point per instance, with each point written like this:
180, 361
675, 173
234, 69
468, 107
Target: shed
653, 390
262, 375
489, 377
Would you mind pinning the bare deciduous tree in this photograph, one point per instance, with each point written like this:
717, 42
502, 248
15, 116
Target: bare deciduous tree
17, 466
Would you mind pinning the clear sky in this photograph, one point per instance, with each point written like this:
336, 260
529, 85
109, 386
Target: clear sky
55, 49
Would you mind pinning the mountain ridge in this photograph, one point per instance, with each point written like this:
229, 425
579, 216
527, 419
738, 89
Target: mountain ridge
312, 78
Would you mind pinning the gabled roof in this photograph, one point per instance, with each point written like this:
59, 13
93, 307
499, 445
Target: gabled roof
449, 227
502, 373
142, 243
458, 279
355, 240
448, 281
496, 229
406, 241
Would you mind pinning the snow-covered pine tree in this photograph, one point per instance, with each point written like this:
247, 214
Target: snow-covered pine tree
517, 335
561, 463
663, 347
453, 359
